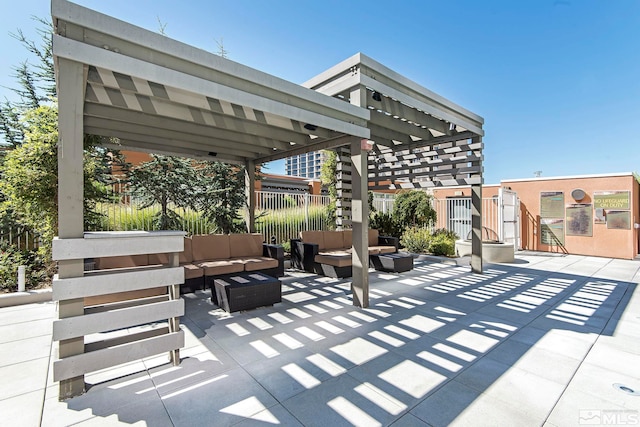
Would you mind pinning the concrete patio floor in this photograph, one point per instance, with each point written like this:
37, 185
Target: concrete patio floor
543, 341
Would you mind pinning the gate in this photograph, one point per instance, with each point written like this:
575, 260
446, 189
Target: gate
459, 216
509, 217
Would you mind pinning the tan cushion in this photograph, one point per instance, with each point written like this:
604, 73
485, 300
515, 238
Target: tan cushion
245, 245
125, 261
192, 271
186, 256
333, 240
124, 296
337, 259
221, 266
158, 259
373, 237
336, 252
257, 263
347, 238
316, 237
374, 250
207, 247
386, 249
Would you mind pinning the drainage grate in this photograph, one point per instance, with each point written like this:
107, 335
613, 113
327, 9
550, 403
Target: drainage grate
625, 389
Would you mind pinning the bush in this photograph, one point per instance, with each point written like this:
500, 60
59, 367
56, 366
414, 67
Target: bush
385, 224
11, 258
413, 208
286, 246
416, 240
440, 242
442, 245
449, 234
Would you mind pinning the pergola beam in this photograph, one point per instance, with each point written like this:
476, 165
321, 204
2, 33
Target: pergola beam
137, 122
322, 145
123, 64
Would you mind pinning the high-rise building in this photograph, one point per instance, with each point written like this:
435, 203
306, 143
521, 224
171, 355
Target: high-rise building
306, 165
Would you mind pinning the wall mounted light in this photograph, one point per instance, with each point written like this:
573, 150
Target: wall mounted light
310, 127
376, 96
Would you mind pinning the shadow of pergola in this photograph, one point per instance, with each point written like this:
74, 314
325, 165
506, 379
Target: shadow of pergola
433, 341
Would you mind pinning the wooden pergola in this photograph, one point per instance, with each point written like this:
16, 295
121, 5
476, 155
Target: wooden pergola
155, 94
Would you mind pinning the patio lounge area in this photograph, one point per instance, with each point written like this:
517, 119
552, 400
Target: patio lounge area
547, 340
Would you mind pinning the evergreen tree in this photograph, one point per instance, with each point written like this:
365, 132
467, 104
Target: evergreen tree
329, 178
222, 196
167, 181
28, 165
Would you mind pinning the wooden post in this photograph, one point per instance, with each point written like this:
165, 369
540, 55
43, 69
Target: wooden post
250, 190
476, 223
174, 322
359, 215
71, 80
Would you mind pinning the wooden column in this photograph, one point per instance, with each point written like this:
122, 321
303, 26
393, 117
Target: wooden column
250, 191
476, 222
174, 322
71, 78
359, 214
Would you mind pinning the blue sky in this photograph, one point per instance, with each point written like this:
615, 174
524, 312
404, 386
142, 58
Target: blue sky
557, 81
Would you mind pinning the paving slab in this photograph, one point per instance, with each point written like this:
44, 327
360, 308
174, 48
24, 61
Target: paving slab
540, 341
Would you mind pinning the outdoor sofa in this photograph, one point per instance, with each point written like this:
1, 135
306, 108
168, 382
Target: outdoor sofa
205, 257
329, 252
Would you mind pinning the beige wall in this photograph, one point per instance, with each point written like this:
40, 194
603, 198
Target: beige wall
604, 242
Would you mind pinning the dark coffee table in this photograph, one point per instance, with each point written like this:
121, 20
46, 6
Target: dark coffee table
395, 263
244, 291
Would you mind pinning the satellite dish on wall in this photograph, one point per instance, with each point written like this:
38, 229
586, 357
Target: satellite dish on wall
578, 194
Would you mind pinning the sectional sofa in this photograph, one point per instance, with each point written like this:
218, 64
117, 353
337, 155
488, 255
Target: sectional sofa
206, 257
329, 252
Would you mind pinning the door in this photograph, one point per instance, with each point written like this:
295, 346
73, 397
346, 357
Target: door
509, 217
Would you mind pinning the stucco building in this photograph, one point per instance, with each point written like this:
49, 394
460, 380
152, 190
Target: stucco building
594, 215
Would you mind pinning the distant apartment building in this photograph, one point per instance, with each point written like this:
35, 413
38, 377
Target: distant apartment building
305, 165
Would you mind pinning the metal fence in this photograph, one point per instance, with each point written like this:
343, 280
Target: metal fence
278, 215
20, 239
281, 216
455, 214
383, 202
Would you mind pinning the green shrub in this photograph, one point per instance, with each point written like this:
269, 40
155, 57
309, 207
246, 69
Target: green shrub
442, 245
449, 234
385, 224
11, 258
440, 242
413, 208
286, 245
416, 240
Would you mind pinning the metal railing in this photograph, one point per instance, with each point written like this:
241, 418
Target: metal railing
383, 202
283, 215
455, 214
278, 215
23, 240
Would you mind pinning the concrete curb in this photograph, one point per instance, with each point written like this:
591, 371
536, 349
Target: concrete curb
29, 297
